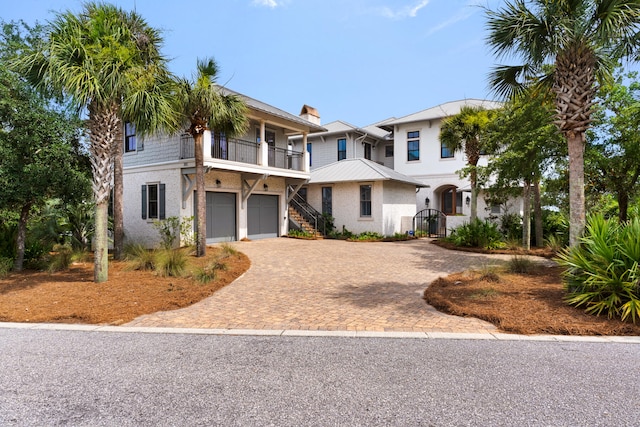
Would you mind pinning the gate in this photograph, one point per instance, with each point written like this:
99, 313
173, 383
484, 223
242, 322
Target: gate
430, 223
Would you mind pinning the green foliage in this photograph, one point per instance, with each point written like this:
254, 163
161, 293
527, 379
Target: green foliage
511, 226
368, 236
209, 273
60, 259
602, 273
228, 250
8, 234
168, 230
342, 235
6, 264
520, 264
328, 222
478, 233
171, 262
173, 227
300, 234
139, 257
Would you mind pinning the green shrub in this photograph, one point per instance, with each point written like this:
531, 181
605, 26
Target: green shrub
556, 242
209, 273
511, 226
300, 233
6, 264
602, 273
60, 259
343, 235
171, 262
168, 230
228, 250
368, 236
520, 264
139, 257
478, 234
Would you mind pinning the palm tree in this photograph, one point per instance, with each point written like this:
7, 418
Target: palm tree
202, 105
582, 39
107, 62
462, 132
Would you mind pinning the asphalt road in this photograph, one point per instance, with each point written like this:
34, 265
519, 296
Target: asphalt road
79, 378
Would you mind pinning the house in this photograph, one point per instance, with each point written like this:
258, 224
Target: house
419, 154
410, 145
248, 179
342, 141
362, 195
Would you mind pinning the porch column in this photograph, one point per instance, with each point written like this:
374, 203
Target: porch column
306, 158
264, 147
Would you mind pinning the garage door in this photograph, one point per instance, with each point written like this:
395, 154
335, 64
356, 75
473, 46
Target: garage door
262, 216
221, 217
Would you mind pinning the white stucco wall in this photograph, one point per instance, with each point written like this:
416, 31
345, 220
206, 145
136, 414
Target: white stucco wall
138, 230
390, 201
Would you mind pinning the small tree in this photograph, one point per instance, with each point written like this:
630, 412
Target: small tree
463, 132
201, 105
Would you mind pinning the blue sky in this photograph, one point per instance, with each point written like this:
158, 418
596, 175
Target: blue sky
360, 61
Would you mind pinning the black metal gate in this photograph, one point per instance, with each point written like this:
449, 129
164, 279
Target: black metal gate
430, 223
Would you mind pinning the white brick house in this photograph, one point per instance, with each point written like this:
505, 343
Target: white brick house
246, 180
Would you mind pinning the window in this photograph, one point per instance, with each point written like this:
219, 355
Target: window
220, 148
365, 201
309, 150
445, 153
327, 207
342, 149
495, 209
413, 146
153, 201
130, 141
367, 151
388, 150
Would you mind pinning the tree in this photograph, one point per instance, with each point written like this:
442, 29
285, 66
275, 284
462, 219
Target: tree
38, 156
523, 141
463, 132
201, 105
613, 145
106, 61
582, 39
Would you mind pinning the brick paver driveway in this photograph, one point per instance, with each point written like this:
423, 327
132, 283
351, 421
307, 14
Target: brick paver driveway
332, 285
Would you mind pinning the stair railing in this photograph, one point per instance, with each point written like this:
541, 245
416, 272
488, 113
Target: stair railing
308, 213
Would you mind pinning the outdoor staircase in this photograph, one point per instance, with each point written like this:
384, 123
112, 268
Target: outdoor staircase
302, 216
302, 223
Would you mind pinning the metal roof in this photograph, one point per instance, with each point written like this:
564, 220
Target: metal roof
443, 110
358, 170
340, 127
271, 110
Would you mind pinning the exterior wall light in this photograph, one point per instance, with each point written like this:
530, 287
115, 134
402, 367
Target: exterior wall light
467, 200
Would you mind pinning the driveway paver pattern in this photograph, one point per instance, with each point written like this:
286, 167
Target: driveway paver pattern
332, 285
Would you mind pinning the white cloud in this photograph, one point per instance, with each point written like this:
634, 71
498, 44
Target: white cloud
410, 11
460, 16
267, 3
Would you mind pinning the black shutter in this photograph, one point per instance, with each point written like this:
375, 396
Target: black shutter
161, 204
144, 202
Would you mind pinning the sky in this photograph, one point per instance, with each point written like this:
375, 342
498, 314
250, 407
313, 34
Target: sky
359, 61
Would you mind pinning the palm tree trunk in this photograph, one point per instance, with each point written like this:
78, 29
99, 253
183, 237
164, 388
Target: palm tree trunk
103, 127
575, 143
201, 214
537, 212
21, 237
118, 206
526, 215
473, 177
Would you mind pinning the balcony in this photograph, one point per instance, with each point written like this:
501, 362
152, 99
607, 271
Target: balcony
237, 150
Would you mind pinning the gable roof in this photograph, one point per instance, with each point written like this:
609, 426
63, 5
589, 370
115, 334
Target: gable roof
263, 107
358, 170
341, 127
443, 110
